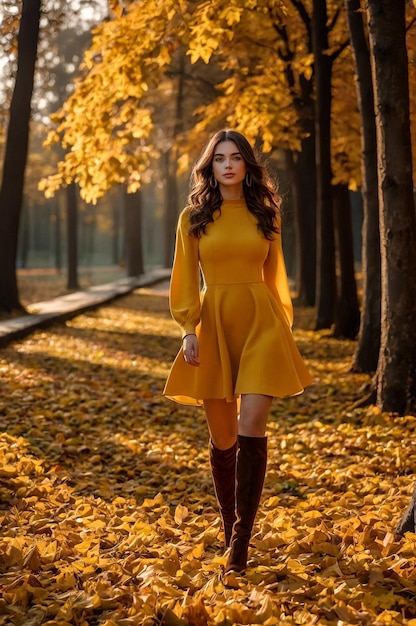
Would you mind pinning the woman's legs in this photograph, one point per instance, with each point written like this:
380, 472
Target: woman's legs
222, 424
254, 413
238, 500
222, 420
251, 470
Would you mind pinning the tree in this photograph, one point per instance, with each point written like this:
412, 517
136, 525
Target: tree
34, 53
105, 121
347, 314
72, 238
396, 372
171, 165
69, 44
11, 191
368, 345
133, 233
326, 283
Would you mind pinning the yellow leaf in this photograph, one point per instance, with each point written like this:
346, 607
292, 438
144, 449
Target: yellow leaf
181, 513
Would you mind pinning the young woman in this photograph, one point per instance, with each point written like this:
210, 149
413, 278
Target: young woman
237, 346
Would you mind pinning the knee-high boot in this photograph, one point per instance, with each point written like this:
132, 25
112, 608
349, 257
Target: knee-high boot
223, 467
251, 470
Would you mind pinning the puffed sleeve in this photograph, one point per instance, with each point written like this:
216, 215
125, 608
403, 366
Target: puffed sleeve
275, 277
184, 294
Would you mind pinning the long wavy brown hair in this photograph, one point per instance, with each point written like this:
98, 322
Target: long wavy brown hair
261, 196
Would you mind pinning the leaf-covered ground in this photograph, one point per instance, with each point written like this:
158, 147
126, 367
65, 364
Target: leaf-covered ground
107, 509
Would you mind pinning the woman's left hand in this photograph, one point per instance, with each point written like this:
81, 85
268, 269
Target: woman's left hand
191, 350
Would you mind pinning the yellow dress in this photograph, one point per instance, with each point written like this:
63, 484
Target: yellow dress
242, 315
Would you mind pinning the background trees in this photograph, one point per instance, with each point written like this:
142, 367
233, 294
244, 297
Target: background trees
30, 88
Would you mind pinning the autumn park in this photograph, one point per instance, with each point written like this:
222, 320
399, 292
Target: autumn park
108, 513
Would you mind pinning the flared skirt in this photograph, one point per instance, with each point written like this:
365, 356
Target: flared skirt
245, 347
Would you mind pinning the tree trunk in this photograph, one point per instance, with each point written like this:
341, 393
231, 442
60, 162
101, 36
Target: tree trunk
115, 233
171, 203
57, 235
90, 226
347, 318
304, 191
72, 237
24, 236
396, 370
171, 164
326, 280
15, 157
304, 162
368, 345
133, 233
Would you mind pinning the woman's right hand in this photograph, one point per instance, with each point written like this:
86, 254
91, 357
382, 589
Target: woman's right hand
191, 350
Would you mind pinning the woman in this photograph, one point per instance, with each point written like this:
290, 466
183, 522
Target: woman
237, 347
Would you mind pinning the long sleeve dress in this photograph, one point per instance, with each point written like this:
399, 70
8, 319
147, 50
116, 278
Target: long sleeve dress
242, 314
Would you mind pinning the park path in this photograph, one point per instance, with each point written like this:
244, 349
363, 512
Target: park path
107, 509
41, 314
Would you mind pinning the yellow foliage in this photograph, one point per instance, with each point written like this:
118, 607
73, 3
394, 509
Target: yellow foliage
104, 125
109, 126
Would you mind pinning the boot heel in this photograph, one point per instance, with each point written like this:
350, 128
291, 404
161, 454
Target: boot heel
237, 559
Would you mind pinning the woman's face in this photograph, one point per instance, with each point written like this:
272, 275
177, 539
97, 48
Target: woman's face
228, 165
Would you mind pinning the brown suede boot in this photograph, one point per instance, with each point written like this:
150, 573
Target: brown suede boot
251, 470
407, 522
223, 464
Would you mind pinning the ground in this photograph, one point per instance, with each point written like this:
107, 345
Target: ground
108, 513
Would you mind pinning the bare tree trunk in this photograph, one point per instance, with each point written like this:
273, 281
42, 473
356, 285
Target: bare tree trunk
326, 280
115, 232
304, 161
133, 233
396, 370
171, 165
347, 318
24, 241
90, 226
57, 235
72, 236
171, 203
304, 189
11, 192
368, 345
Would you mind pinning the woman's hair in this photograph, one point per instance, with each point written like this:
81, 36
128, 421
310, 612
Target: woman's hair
204, 199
